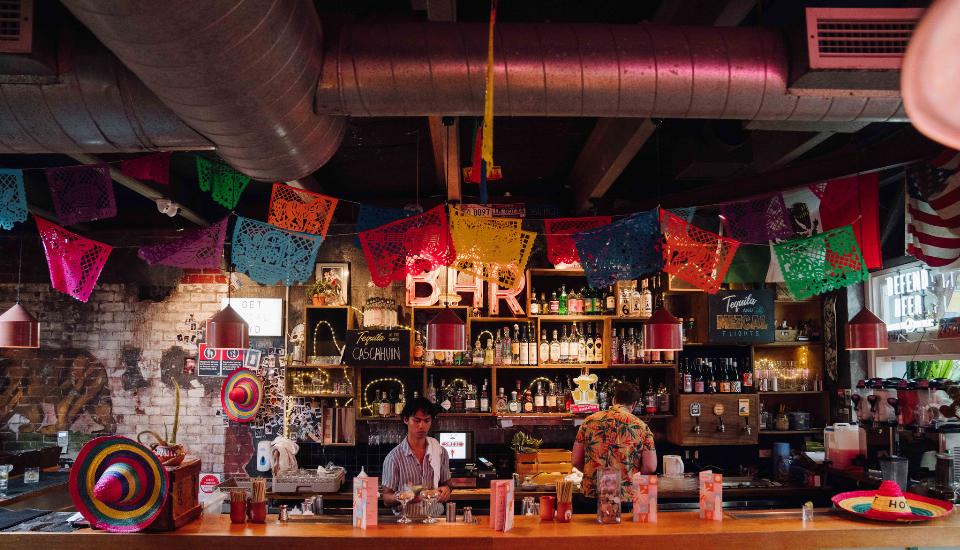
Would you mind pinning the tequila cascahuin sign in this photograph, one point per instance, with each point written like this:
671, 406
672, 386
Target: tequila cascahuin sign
390, 347
741, 316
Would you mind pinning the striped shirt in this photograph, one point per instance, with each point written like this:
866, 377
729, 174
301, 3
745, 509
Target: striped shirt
401, 466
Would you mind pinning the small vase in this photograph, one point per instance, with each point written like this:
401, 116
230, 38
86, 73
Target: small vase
318, 300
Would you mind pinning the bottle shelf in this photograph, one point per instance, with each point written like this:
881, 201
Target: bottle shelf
458, 367
641, 366
762, 393
792, 344
465, 415
578, 366
570, 318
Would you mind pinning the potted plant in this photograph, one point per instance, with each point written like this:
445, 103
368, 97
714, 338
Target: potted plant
167, 449
318, 292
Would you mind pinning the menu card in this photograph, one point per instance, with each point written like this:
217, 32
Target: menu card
501, 504
365, 501
711, 496
644, 498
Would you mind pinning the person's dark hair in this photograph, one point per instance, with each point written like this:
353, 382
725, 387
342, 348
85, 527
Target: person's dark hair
420, 404
625, 393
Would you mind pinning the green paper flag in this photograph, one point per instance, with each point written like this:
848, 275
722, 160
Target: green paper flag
226, 184
821, 263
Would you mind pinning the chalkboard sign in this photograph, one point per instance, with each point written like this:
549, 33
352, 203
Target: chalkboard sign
741, 317
382, 348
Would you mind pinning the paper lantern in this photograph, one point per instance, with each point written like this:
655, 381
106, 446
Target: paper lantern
866, 331
694, 255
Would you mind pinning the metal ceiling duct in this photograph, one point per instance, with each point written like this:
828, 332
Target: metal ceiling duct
243, 74
95, 105
643, 70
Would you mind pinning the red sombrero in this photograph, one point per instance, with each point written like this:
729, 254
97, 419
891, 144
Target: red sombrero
118, 484
888, 503
241, 395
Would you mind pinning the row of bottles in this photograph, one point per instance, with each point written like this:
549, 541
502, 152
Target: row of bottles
626, 348
640, 300
388, 404
581, 344
460, 398
654, 398
586, 301
547, 396
716, 375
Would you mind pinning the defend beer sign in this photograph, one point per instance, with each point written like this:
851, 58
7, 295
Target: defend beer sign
382, 348
741, 317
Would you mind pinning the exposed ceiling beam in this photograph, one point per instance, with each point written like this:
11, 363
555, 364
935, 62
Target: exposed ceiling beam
141, 188
609, 149
775, 149
446, 154
904, 147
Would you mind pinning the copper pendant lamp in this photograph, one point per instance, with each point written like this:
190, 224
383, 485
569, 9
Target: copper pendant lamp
227, 329
662, 332
866, 331
18, 328
446, 331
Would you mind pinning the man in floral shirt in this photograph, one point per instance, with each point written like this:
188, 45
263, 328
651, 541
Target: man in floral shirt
617, 439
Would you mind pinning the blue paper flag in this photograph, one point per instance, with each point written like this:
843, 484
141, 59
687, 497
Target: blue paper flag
624, 250
270, 255
13, 198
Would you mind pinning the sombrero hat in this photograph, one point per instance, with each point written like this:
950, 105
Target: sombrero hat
890, 504
241, 395
118, 484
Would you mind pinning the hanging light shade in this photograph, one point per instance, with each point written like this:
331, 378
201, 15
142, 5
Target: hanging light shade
662, 332
226, 329
866, 331
19, 329
446, 332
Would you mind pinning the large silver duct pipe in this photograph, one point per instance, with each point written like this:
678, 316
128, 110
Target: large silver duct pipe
242, 73
95, 105
643, 70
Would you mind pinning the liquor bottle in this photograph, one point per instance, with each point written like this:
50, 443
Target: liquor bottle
534, 304
603, 396
539, 400
527, 401
724, 381
625, 308
418, 348
459, 400
513, 407
649, 400
646, 301
699, 384
568, 396
552, 399
562, 302
485, 397
554, 304
663, 399
597, 343
386, 407
431, 391
614, 347
581, 345
712, 383
515, 345
610, 306
588, 301
444, 396
400, 402
687, 377
478, 354
564, 346
573, 302
524, 348
735, 381
629, 348
555, 348
747, 379
544, 350
488, 354
507, 347
470, 399
532, 346
501, 402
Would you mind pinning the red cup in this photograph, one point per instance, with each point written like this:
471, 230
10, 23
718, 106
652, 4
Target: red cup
546, 508
564, 512
238, 511
257, 512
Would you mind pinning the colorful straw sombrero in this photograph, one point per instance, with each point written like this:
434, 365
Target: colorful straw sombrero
890, 504
118, 484
241, 395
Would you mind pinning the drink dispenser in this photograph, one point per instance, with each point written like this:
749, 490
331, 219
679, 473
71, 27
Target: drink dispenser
874, 387
861, 408
911, 412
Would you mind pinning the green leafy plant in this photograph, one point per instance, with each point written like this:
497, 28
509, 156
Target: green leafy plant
524, 443
319, 287
167, 439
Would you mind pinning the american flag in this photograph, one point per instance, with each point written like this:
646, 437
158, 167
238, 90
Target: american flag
933, 211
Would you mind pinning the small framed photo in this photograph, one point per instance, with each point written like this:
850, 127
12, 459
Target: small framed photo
336, 279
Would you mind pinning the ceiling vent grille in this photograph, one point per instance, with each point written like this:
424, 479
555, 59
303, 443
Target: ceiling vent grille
16, 26
859, 38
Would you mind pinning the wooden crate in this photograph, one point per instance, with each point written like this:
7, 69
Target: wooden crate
182, 503
544, 460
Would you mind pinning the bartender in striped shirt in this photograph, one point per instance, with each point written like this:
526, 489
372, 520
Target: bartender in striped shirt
418, 460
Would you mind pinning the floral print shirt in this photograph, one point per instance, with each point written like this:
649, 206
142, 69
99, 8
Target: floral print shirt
613, 438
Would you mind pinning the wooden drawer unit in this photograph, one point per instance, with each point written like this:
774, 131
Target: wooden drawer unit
681, 430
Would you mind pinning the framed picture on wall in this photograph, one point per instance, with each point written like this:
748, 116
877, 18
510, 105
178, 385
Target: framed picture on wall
336, 279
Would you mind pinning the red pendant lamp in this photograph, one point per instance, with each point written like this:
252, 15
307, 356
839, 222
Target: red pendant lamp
19, 329
227, 329
866, 331
446, 331
662, 332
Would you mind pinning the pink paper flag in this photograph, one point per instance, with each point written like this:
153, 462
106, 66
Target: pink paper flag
75, 262
196, 249
155, 167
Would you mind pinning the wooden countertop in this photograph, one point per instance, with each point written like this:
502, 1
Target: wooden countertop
674, 530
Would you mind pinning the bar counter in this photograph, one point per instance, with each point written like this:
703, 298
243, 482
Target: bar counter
674, 530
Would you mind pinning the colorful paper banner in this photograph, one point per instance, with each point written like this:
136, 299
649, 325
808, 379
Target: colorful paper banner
270, 255
75, 262
81, 193
13, 198
196, 249
694, 255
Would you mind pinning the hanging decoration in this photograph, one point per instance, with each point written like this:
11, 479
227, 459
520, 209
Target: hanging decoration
371, 217
623, 250
196, 249
75, 262
758, 221
270, 255
13, 198
155, 167
694, 255
225, 183
492, 249
81, 193
408, 246
821, 263
300, 210
483, 167
561, 248
686, 213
